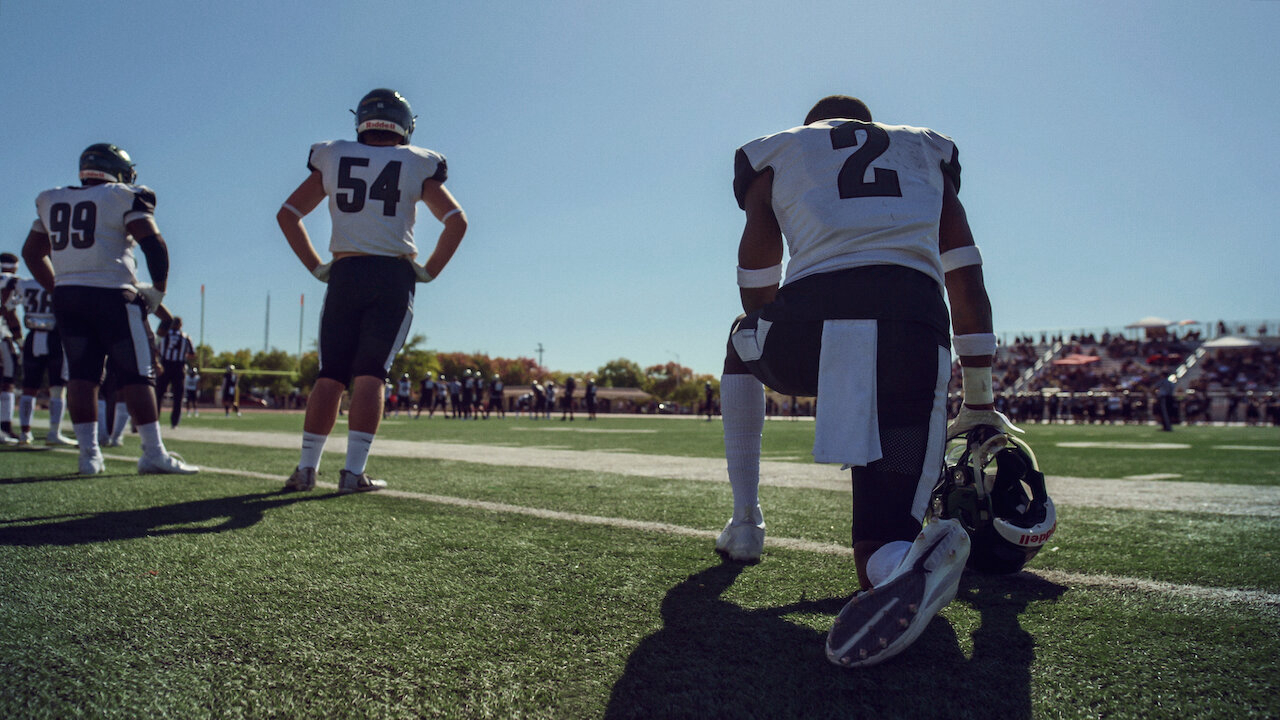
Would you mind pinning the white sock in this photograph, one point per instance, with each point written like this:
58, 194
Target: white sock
886, 560
56, 405
358, 444
742, 411
87, 437
151, 442
6, 406
26, 409
312, 449
122, 420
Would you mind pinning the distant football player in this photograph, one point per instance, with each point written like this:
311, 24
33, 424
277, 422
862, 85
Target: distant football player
870, 217
497, 397
191, 391
230, 388
373, 185
10, 332
80, 248
42, 357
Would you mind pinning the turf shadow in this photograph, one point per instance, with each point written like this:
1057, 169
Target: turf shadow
713, 658
235, 512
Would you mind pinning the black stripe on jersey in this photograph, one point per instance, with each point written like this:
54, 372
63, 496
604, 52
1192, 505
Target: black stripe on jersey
144, 200
952, 169
743, 176
442, 171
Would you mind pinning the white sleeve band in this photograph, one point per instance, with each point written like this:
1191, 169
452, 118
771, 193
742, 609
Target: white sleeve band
976, 384
961, 257
292, 209
451, 213
974, 344
762, 277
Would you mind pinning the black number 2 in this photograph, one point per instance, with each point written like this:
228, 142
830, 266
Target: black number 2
72, 225
851, 181
385, 188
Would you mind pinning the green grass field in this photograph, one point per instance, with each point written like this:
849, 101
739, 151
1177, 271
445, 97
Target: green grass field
479, 589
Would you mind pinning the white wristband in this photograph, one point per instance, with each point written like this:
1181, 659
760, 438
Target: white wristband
977, 385
961, 257
291, 209
451, 213
974, 344
762, 277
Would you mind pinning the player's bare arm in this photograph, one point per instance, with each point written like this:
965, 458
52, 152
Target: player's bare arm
445, 208
35, 253
967, 293
761, 244
304, 199
154, 249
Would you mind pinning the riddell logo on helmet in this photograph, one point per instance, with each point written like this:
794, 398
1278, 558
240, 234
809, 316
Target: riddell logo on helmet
1038, 539
380, 125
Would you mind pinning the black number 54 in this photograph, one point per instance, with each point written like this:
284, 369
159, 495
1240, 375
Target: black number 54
852, 181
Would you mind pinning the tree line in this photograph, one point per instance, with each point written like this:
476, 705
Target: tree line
668, 382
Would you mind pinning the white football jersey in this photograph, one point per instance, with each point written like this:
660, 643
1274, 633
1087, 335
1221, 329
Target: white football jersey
849, 193
37, 305
86, 228
373, 193
9, 292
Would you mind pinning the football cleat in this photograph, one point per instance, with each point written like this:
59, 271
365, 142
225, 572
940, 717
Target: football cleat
60, 440
112, 441
301, 480
169, 463
349, 482
879, 623
742, 540
92, 464
25, 439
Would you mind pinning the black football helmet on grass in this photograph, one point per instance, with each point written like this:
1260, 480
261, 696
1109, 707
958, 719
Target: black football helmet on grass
993, 485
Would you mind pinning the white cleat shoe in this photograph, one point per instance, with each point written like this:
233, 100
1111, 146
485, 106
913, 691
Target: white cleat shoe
349, 482
25, 439
742, 539
92, 464
112, 442
164, 464
302, 480
883, 621
60, 440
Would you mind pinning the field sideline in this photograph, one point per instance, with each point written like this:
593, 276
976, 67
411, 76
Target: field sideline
520, 568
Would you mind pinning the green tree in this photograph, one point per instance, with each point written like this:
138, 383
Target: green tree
622, 373
665, 378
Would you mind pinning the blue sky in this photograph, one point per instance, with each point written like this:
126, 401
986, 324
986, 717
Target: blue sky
1120, 159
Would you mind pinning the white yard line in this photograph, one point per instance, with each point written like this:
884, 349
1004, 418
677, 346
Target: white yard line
1254, 598
1129, 494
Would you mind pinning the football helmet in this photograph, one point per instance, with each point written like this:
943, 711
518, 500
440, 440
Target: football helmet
104, 161
384, 109
993, 485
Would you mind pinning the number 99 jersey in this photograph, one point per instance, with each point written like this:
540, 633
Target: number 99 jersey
373, 193
849, 193
86, 229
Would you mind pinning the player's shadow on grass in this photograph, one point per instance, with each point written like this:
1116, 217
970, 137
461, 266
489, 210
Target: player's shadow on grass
195, 517
713, 659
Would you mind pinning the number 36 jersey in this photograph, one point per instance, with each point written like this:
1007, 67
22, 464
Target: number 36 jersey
849, 193
86, 229
373, 193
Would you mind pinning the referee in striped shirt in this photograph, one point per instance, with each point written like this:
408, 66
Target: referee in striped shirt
175, 351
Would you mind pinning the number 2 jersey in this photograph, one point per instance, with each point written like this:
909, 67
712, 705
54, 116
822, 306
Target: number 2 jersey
86, 229
849, 193
373, 193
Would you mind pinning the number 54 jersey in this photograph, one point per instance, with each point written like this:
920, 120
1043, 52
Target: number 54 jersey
373, 193
849, 193
86, 229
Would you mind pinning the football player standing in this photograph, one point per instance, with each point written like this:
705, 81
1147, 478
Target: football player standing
875, 231
80, 248
10, 332
373, 185
41, 355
